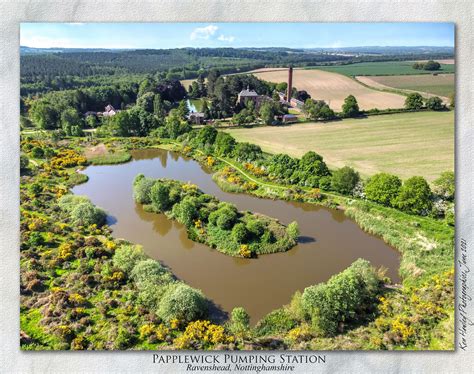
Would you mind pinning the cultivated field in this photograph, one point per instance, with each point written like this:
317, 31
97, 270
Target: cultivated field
383, 68
441, 85
404, 144
333, 88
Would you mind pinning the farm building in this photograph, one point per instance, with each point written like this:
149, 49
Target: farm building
289, 118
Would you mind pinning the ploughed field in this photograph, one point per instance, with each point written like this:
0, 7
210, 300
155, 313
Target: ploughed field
404, 144
441, 85
333, 88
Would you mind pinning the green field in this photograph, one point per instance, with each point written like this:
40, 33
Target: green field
442, 84
382, 68
405, 144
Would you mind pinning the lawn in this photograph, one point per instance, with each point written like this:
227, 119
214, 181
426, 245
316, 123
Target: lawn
442, 84
382, 68
404, 144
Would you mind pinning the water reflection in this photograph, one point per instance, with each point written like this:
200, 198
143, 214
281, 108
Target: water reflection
329, 241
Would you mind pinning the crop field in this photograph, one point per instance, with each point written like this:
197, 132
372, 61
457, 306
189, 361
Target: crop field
333, 88
383, 68
441, 85
405, 144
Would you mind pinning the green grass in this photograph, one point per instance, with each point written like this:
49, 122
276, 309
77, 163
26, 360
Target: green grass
382, 68
110, 158
405, 144
442, 85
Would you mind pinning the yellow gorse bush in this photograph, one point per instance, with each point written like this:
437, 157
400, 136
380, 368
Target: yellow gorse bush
202, 333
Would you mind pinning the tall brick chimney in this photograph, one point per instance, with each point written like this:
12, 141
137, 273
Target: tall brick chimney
290, 84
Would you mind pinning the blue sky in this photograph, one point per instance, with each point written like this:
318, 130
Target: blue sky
177, 35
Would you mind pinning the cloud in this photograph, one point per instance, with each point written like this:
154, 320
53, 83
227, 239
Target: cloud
76, 23
224, 38
204, 32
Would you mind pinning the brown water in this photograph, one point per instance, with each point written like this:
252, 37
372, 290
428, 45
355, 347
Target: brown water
329, 241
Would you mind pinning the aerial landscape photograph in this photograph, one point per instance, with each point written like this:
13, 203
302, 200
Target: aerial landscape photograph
237, 186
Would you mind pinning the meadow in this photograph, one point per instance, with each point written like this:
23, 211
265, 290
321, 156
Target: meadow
405, 144
382, 68
333, 88
442, 85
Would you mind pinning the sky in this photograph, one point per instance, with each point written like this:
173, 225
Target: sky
199, 35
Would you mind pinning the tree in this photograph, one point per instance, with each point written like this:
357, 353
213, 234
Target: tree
302, 96
91, 121
239, 321
186, 211
431, 65
247, 152
346, 298
315, 109
444, 186
350, 108
383, 188
435, 103
43, 115
183, 110
293, 230
224, 144
146, 102
206, 136
183, 303
414, 196
71, 122
160, 196
141, 189
414, 101
239, 233
267, 113
344, 180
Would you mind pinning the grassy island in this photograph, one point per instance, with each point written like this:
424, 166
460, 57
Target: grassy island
210, 221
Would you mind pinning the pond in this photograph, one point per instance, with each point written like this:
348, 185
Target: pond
328, 244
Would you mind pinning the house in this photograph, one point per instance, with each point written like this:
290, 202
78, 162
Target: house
196, 117
245, 95
109, 111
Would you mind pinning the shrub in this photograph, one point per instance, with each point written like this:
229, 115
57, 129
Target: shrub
24, 161
344, 180
255, 227
247, 152
346, 298
86, 214
37, 152
127, 256
160, 196
383, 188
224, 217
414, 196
224, 144
202, 334
141, 189
325, 183
183, 303
186, 211
444, 186
239, 320
277, 321
293, 230
150, 271
239, 233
